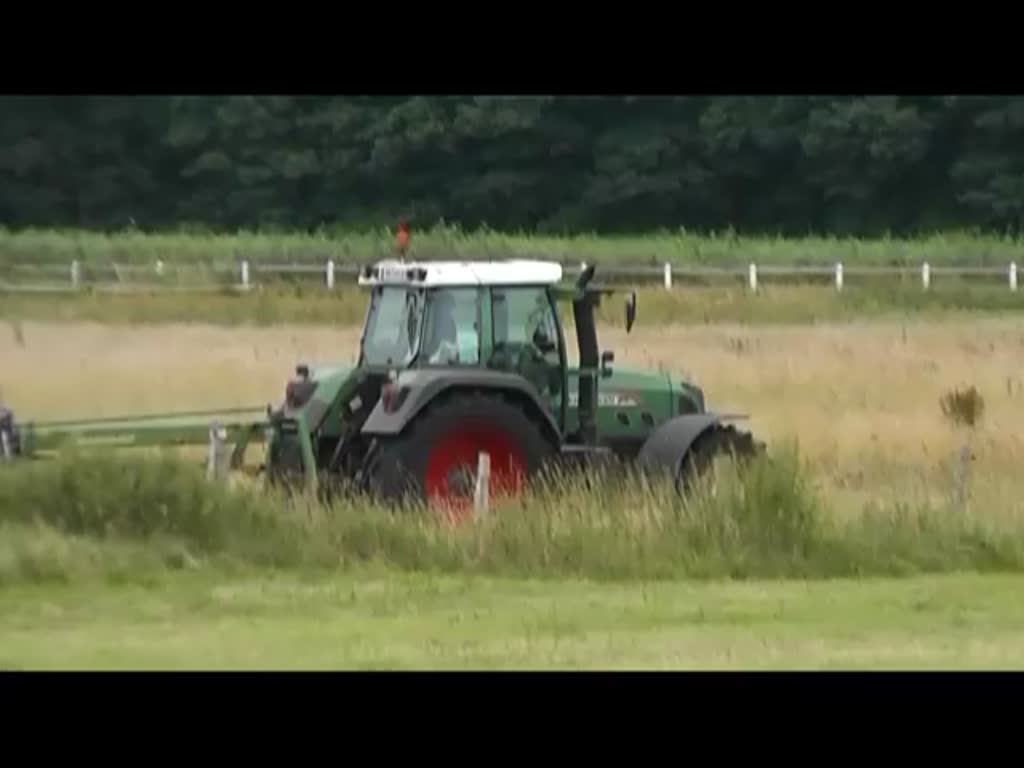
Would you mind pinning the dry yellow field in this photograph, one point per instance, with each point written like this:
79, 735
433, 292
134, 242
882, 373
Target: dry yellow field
862, 399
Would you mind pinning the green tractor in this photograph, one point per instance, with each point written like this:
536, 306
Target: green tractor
459, 359
456, 360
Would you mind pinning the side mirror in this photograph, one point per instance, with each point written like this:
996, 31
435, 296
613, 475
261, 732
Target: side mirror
607, 358
630, 311
586, 275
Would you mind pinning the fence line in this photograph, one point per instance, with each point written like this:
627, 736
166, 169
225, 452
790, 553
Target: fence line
246, 274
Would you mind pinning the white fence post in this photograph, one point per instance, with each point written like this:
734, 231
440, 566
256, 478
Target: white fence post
217, 455
483, 483
642, 273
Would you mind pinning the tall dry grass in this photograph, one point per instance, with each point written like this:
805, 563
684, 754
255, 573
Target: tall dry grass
862, 402
108, 517
862, 399
774, 303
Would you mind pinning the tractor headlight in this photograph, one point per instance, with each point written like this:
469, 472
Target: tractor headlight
392, 396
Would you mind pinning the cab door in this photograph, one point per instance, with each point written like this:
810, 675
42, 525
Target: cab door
527, 341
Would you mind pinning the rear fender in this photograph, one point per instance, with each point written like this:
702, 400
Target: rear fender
418, 388
668, 445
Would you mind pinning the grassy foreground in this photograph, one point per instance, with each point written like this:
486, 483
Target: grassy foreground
144, 565
679, 247
388, 621
122, 518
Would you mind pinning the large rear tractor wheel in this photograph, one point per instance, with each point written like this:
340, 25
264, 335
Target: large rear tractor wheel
718, 443
435, 459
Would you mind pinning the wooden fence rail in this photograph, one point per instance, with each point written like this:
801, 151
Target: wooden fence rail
245, 274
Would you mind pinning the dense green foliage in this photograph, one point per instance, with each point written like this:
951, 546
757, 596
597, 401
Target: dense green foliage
785, 164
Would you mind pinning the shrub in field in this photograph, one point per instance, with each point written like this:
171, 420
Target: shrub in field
762, 519
158, 499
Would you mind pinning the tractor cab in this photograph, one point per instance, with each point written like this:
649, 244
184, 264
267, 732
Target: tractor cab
500, 316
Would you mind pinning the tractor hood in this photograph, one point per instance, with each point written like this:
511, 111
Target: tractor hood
630, 387
632, 402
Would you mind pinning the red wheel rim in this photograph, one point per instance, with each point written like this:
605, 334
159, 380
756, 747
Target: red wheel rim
458, 452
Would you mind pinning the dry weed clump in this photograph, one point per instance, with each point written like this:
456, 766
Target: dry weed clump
963, 407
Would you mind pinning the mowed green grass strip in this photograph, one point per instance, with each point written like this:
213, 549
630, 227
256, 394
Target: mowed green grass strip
383, 620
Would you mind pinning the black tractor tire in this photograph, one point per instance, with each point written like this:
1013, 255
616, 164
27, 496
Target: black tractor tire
403, 468
719, 441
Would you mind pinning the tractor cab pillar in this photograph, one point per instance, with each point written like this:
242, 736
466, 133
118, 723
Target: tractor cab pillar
586, 337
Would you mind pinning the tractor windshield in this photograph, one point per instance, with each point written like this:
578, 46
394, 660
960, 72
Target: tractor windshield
392, 332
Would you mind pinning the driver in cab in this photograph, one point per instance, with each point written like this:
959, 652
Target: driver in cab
443, 344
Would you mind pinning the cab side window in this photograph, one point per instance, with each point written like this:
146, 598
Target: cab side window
526, 336
452, 332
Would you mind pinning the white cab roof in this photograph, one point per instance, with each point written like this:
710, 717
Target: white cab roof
454, 273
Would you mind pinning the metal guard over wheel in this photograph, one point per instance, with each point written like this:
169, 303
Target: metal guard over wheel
686, 446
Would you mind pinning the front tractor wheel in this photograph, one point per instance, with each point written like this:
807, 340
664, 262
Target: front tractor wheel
720, 443
435, 459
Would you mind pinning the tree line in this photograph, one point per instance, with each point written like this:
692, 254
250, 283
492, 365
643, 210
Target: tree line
789, 165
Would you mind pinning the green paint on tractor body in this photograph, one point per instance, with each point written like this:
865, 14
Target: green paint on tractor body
631, 403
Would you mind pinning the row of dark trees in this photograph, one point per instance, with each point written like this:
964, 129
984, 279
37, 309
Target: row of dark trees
788, 165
